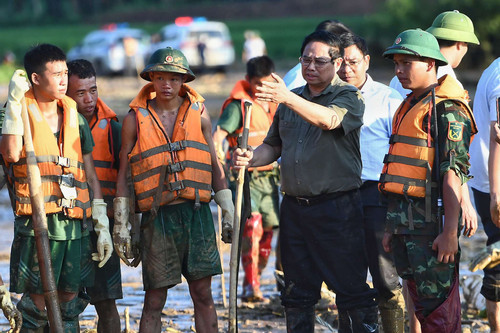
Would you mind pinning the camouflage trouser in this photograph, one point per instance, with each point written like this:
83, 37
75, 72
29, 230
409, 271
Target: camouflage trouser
416, 260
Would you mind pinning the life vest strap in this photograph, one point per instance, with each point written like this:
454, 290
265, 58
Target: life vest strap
173, 168
58, 160
409, 140
169, 147
405, 160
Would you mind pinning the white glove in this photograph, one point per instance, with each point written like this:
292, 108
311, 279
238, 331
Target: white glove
9, 310
101, 227
18, 86
121, 232
224, 199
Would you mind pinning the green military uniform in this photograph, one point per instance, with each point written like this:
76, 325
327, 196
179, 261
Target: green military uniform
412, 220
264, 185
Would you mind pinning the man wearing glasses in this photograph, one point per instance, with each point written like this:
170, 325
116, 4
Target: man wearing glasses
381, 104
316, 133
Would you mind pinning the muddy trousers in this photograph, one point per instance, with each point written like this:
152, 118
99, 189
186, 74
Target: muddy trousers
36, 321
255, 252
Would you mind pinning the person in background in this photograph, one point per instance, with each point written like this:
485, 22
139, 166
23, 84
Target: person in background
254, 46
485, 167
264, 181
381, 102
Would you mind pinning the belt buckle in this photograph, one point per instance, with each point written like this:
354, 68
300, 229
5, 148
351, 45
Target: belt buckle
303, 201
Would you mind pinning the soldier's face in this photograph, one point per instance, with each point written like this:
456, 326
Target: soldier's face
167, 85
257, 82
84, 92
412, 71
51, 84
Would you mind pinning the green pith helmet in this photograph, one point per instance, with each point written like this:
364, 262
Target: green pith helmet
168, 60
418, 43
453, 26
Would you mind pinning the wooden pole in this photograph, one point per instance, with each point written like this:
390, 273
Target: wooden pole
235, 255
40, 229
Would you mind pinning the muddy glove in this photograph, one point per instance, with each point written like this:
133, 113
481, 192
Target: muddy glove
489, 257
13, 123
121, 232
9, 310
101, 227
224, 199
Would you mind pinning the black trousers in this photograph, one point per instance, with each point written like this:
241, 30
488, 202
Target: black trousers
381, 264
324, 241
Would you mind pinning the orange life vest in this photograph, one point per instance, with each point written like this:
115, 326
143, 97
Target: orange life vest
164, 168
408, 165
60, 162
260, 119
103, 153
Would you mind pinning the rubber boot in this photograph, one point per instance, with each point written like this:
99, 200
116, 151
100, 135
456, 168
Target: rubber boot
70, 312
264, 250
34, 319
359, 320
252, 233
300, 320
392, 313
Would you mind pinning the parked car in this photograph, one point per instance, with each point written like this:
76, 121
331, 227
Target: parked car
113, 49
206, 44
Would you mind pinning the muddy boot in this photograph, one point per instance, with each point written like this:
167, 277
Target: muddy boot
70, 312
345, 325
359, 320
392, 313
300, 320
252, 233
34, 319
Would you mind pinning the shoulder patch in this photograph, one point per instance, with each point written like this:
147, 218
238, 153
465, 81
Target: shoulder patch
360, 96
455, 131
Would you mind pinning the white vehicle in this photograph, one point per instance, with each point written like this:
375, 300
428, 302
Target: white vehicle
206, 44
113, 49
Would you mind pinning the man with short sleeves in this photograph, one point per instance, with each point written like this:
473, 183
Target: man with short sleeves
316, 133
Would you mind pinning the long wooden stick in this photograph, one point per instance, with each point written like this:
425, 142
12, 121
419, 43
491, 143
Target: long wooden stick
235, 250
40, 229
219, 246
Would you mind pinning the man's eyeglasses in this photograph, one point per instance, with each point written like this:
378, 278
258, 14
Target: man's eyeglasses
318, 62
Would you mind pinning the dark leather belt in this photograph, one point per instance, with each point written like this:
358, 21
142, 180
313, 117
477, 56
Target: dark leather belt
309, 201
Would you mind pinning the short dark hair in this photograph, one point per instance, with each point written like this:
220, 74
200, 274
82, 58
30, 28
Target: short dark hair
81, 68
260, 67
445, 42
36, 59
333, 26
336, 49
349, 39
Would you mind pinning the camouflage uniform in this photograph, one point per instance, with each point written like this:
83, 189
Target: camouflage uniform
412, 247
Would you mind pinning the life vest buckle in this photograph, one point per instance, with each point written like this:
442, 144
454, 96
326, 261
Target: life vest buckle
63, 161
66, 203
67, 180
176, 167
176, 146
175, 186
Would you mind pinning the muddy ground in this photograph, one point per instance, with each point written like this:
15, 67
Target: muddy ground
178, 311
